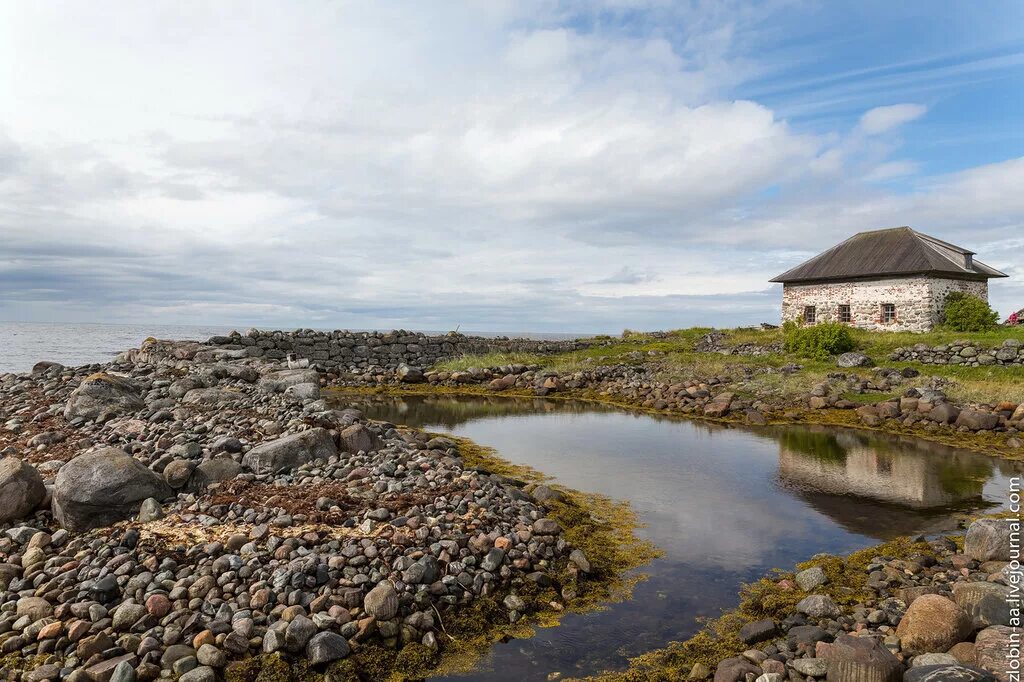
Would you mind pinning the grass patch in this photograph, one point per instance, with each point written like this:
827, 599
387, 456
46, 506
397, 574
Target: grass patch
674, 355
465, 362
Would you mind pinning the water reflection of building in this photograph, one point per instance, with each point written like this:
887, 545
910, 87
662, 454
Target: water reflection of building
849, 463
879, 486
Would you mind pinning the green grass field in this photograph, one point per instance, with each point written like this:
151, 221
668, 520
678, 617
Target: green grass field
676, 358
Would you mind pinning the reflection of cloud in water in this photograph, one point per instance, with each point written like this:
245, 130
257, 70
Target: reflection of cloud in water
726, 504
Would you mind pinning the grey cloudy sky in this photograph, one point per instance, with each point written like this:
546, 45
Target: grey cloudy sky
503, 166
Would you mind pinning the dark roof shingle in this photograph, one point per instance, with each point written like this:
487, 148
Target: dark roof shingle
895, 252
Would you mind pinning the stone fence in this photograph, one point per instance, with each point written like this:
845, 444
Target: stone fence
358, 351
962, 353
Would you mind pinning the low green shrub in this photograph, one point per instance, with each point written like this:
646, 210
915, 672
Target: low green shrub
818, 341
967, 313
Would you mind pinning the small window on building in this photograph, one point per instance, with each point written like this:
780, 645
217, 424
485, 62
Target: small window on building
810, 314
844, 314
888, 313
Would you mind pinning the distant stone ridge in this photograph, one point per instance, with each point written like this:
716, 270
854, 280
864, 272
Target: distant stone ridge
357, 351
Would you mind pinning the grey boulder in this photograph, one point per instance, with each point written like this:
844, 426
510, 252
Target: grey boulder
862, 659
382, 601
100, 488
212, 471
291, 451
818, 606
309, 391
408, 374
988, 540
277, 382
357, 438
985, 603
211, 396
326, 647
21, 489
854, 360
105, 395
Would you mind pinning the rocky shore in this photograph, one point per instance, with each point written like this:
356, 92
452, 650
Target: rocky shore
922, 407
199, 511
189, 512
945, 610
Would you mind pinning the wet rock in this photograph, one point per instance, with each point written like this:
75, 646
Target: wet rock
21, 489
103, 487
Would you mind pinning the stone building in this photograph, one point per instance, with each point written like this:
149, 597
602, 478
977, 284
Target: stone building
888, 280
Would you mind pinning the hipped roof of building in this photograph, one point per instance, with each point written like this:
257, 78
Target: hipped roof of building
893, 252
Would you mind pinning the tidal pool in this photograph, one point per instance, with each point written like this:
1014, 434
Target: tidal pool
725, 504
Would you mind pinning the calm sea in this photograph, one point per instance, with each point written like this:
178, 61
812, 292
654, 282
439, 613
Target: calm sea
23, 344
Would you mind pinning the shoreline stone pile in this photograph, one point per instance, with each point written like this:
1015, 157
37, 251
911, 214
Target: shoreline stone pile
924, 404
943, 615
172, 514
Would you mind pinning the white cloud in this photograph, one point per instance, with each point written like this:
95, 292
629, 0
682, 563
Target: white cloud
884, 119
501, 165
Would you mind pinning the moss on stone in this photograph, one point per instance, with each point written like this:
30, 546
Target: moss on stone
414, 659
274, 668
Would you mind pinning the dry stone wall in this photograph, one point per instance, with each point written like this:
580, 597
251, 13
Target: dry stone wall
919, 301
359, 351
962, 353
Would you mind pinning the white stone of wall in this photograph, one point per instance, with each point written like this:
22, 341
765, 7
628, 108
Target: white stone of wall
919, 301
942, 287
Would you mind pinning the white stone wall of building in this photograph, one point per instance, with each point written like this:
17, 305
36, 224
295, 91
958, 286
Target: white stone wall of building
919, 301
942, 287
